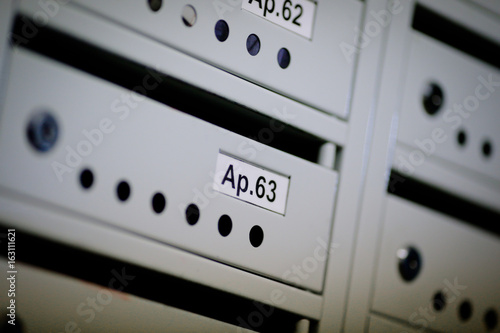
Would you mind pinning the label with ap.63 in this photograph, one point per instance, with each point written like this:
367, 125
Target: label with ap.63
251, 183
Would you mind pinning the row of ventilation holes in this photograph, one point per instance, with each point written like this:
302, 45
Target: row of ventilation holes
159, 203
465, 311
410, 265
433, 101
225, 224
433, 97
221, 31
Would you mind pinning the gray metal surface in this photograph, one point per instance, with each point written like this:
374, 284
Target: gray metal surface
319, 74
178, 163
356, 86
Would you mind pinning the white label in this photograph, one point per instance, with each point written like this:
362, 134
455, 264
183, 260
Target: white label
250, 183
294, 15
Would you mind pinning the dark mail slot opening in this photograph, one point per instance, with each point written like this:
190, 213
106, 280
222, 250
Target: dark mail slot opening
167, 90
456, 35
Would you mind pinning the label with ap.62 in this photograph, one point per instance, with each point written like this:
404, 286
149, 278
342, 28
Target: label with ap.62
294, 15
251, 183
